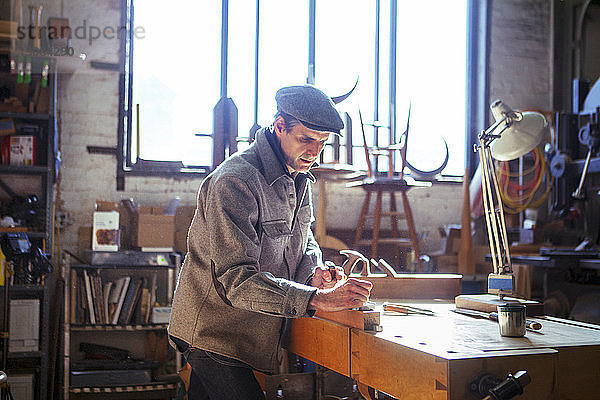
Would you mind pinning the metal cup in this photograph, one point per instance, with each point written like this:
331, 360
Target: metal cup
511, 319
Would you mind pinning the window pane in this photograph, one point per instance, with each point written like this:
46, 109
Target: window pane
240, 79
283, 51
176, 79
431, 74
344, 51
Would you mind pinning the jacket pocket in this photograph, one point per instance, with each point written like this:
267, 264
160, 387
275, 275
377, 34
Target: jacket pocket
276, 236
276, 229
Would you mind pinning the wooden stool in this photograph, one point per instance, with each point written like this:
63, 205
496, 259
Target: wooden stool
379, 186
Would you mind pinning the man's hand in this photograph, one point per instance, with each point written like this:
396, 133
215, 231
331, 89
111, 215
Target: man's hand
349, 294
328, 277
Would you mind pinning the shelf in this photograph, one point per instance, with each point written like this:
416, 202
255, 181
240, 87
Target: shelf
147, 391
21, 115
117, 267
121, 328
128, 259
25, 354
25, 289
24, 169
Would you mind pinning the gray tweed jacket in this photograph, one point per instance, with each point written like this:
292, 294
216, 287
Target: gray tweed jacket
250, 254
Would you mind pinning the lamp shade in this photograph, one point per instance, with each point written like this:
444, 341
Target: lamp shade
522, 135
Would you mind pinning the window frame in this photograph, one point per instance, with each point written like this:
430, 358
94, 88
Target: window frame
476, 92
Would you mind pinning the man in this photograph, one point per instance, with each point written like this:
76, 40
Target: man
252, 261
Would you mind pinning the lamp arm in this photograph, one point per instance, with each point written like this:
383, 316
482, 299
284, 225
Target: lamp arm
506, 266
488, 210
489, 136
494, 213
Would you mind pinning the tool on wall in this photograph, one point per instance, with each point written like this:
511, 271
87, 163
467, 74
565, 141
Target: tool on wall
415, 171
589, 135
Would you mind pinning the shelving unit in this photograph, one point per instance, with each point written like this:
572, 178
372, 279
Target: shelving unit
46, 137
20, 181
144, 341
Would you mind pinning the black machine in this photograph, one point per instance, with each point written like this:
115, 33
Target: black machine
30, 264
574, 159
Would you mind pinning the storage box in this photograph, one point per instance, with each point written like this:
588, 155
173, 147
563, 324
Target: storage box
161, 315
24, 332
183, 219
154, 230
105, 232
18, 150
21, 386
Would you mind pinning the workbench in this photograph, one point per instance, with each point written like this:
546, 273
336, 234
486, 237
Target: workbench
418, 356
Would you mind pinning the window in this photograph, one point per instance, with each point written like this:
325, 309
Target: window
174, 73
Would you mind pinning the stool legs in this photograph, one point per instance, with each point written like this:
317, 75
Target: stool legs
411, 229
363, 217
394, 221
376, 224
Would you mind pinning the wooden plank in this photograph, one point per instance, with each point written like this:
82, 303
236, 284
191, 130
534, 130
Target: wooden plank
415, 286
398, 370
324, 342
489, 303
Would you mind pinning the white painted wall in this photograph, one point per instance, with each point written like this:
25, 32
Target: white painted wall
88, 102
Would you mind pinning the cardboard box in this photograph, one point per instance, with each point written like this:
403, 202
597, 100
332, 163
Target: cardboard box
161, 315
154, 229
105, 232
183, 219
18, 150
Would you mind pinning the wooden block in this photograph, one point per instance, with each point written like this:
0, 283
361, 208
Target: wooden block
415, 286
489, 303
326, 343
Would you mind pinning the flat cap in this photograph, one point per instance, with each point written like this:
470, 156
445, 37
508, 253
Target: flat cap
310, 106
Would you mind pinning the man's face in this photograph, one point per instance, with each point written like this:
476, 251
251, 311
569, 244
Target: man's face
301, 146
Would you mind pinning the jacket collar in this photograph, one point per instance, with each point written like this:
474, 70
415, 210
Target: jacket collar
271, 157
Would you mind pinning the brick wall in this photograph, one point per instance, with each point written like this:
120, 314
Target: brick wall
88, 101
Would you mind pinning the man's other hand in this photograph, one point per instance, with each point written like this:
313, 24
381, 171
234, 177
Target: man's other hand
328, 276
349, 294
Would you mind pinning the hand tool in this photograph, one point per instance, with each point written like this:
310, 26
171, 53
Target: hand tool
331, 267
529, 324
401, 308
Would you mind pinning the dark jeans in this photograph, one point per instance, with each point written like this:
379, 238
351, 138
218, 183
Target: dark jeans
216, 377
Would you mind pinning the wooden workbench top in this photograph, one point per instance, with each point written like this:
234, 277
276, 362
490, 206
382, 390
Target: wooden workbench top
450, 335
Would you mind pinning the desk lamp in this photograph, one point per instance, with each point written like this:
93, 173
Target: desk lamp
513, 135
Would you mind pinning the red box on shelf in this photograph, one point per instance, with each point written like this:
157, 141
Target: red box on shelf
19, 150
